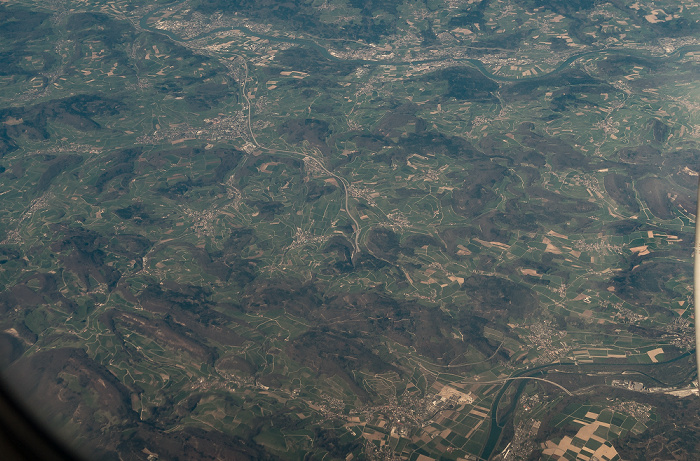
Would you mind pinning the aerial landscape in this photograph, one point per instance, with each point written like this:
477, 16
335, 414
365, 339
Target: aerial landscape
352, 229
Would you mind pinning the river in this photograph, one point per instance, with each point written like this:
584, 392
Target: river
496, 428
677, 54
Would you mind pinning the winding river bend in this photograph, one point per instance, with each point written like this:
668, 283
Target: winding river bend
497, 426
677, 54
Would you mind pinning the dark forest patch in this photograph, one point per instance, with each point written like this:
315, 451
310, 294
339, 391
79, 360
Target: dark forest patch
162, 299
644, 279
131, 246
561, 154
499, 298
658, 130
466, 84
82, 252
268, 209
655, 193
333, 443
55, 168
25, 294
566, 101
18, 24
316, 189
138, 214
40, 378
375, 20
569, 80
341, 250
373, 313
236, 365
472, 200
192, 443
620, 189
316, 132
476, 195
572, 8
473, 14
510, 40
338, 354
399, 117
120, 163
229, 159
74, 111
433, 143
205, 96
615, 65
384, 243
639, 154
167, 333
310, 60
